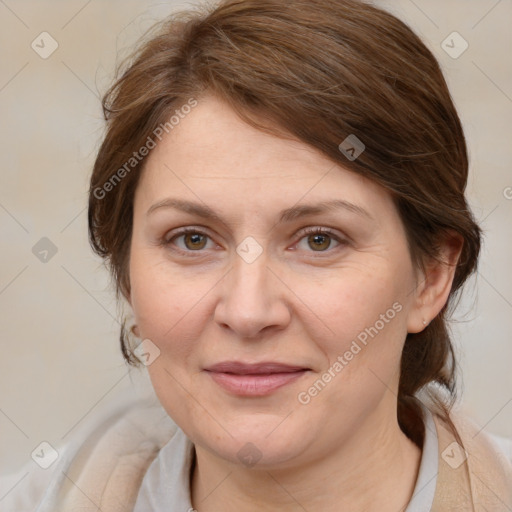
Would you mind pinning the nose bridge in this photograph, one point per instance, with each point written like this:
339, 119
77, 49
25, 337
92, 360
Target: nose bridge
251, 300
249, 285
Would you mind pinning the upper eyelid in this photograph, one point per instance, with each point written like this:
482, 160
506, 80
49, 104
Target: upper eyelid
300, 234
303, 231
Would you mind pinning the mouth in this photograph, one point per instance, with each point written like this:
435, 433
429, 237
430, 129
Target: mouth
258, 379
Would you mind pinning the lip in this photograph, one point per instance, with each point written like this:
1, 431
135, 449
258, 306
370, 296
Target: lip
254, 379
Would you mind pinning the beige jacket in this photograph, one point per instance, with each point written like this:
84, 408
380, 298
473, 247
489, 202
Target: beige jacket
106, 472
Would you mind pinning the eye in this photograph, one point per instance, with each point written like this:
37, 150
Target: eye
314, 239
192, 240
319, 239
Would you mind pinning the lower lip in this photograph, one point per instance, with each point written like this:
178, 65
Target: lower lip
254, 385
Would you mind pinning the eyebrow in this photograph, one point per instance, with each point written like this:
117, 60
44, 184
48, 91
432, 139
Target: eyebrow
287, 215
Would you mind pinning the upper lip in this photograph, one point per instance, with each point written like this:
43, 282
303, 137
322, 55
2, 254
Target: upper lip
264, 368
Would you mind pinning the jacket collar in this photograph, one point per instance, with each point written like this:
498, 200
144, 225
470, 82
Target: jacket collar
474, 478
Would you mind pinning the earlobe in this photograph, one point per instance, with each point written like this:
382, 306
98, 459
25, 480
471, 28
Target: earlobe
134, 329
434, 289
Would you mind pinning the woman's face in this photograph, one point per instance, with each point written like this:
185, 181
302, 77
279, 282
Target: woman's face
281, 315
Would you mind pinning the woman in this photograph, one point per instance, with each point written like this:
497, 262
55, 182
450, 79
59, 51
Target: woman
280, 199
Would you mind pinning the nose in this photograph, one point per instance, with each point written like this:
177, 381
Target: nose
252, 300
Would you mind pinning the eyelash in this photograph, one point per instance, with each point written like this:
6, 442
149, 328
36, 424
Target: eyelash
305, 232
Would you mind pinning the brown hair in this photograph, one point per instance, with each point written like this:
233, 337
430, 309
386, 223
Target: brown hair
320, 70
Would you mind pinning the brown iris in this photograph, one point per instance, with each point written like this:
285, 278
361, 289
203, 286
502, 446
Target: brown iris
197, 241
320, 241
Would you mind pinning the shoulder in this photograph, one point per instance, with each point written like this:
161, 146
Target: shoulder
481, 440
479, 461
108, 453
471, 433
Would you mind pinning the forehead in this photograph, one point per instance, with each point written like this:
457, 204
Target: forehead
212, 132
214, 155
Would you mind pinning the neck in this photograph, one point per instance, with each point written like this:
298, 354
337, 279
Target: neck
375, 470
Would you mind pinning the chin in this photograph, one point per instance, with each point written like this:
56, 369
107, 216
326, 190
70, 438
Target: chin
256, 442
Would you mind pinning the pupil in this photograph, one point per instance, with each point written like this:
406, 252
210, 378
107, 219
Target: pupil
320, 241
195, 239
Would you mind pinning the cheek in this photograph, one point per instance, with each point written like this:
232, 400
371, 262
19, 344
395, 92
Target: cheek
169, 310
365, 325
169, 307
353, 300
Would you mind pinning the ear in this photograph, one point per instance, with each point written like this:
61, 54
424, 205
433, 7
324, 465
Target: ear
126, 294
434, 284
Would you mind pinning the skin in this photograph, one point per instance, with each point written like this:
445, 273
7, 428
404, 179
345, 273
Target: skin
301, 302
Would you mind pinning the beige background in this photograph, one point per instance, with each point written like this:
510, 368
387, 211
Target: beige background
60, 360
